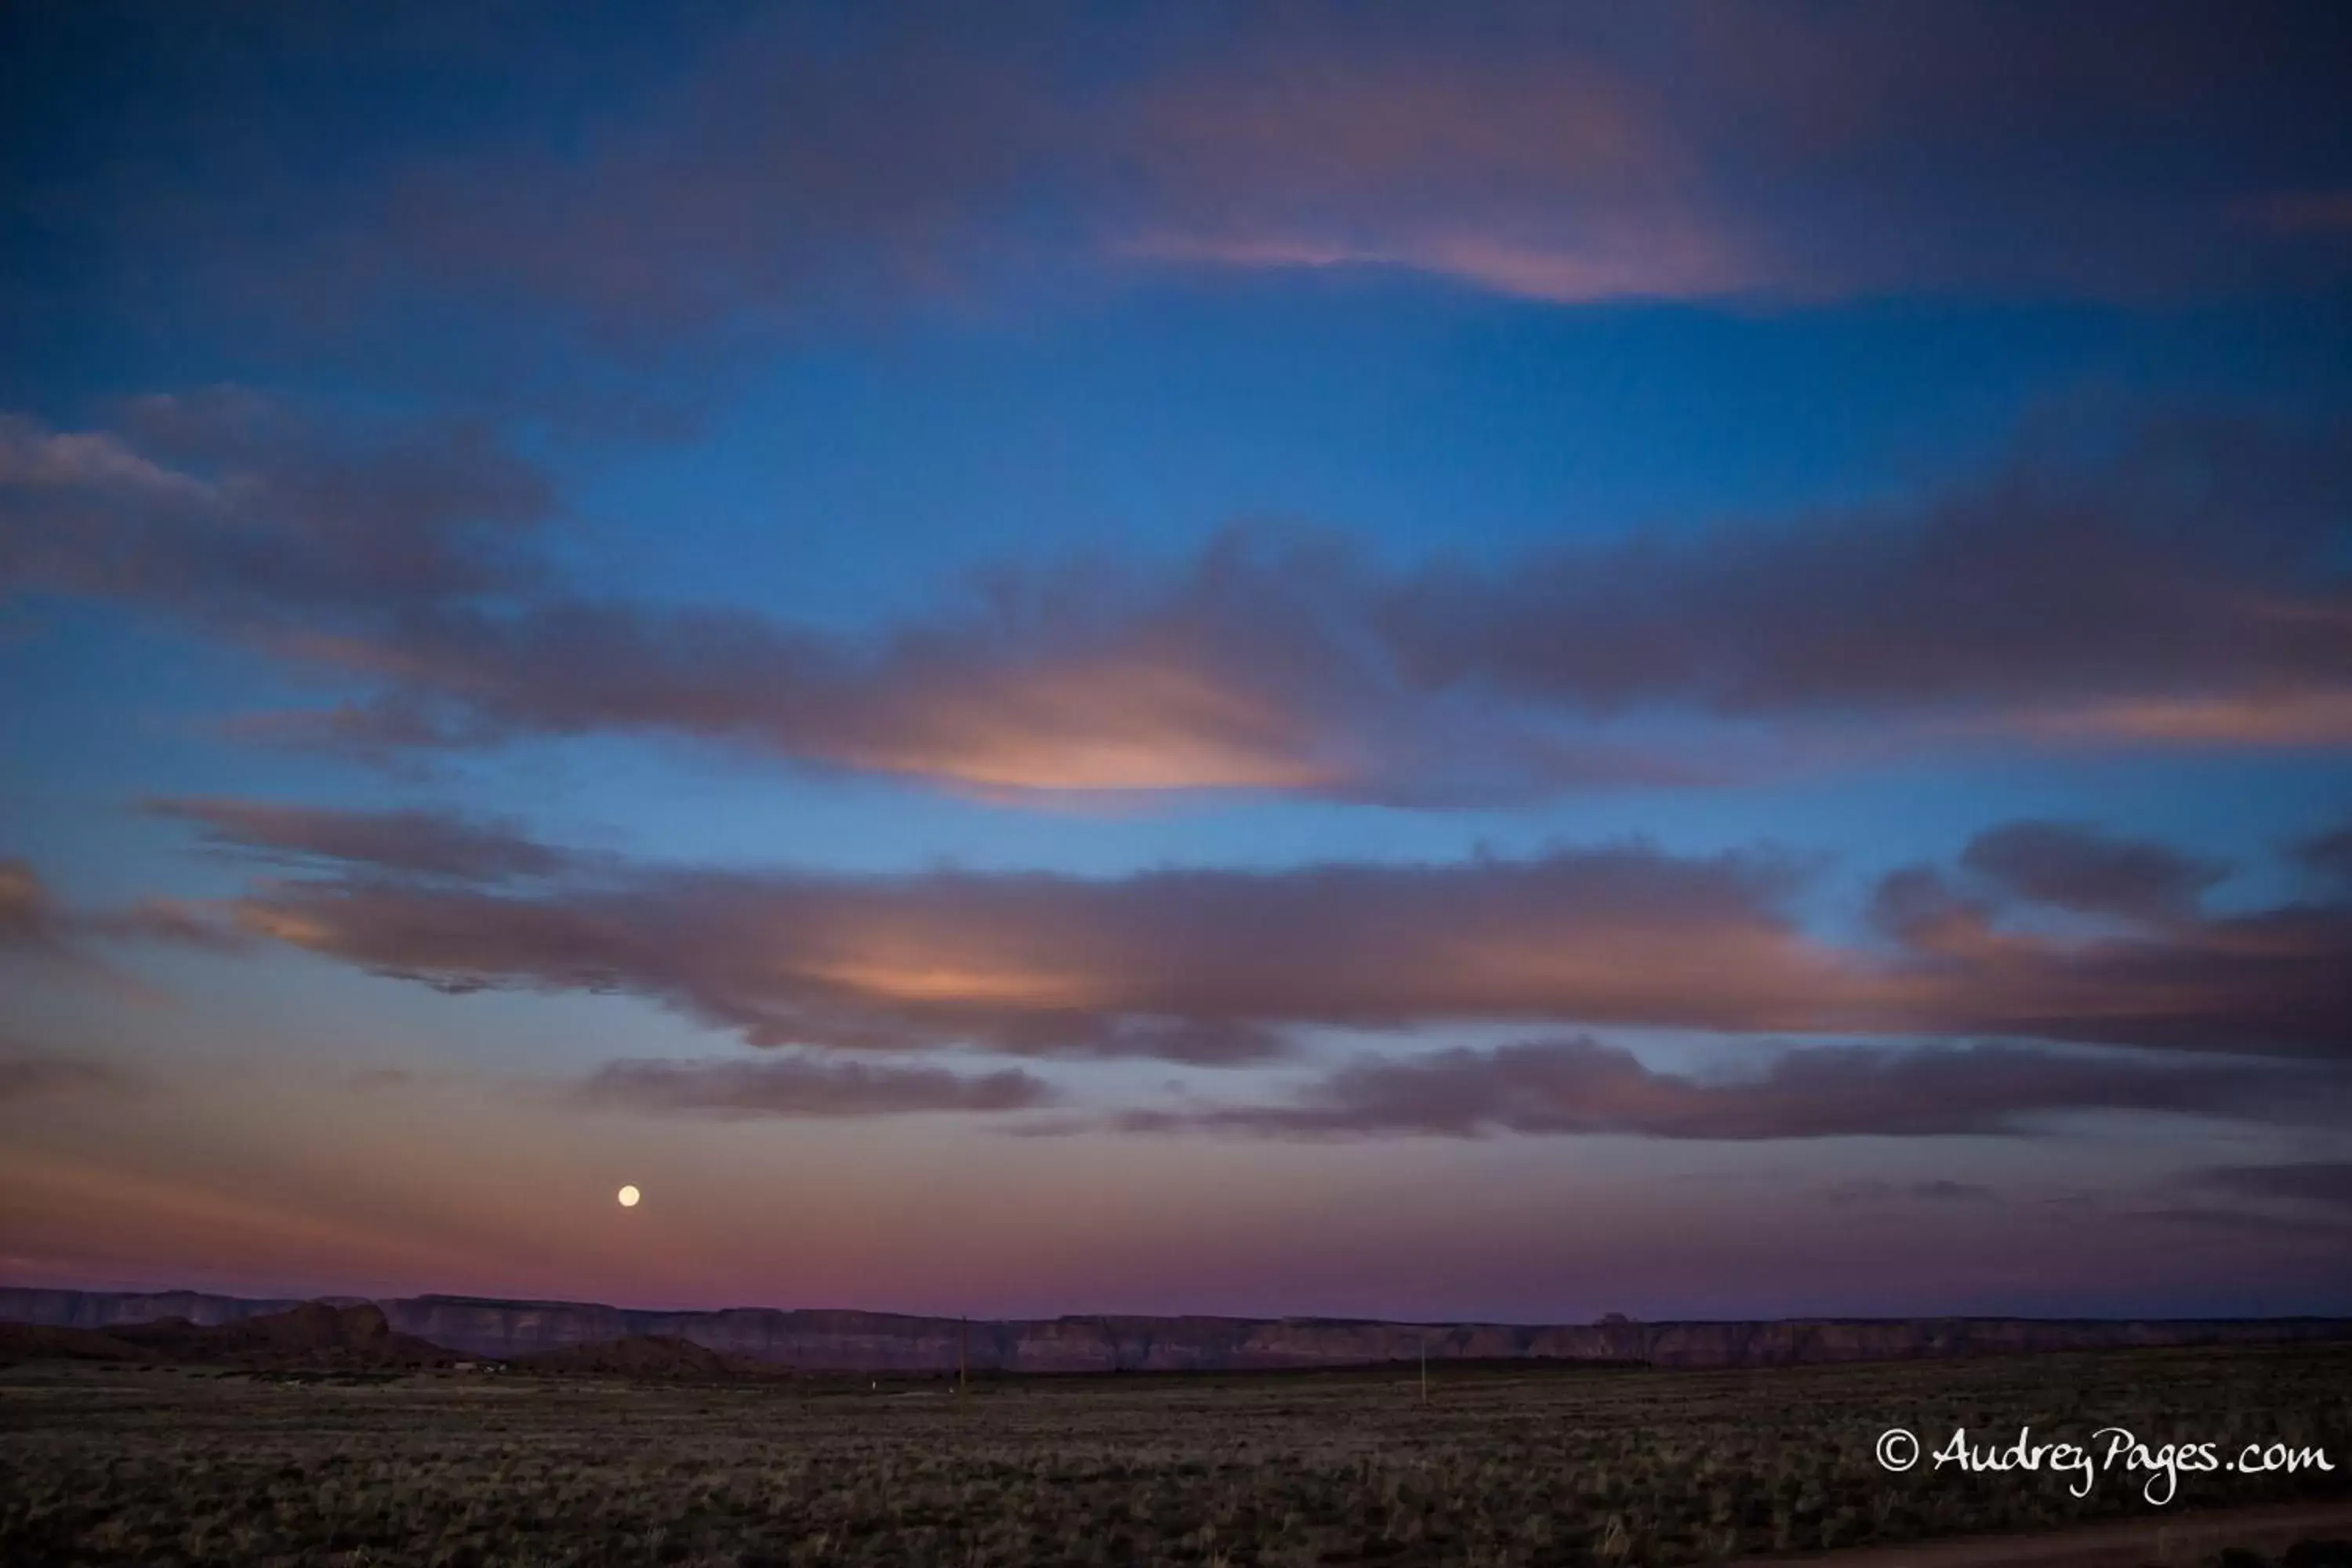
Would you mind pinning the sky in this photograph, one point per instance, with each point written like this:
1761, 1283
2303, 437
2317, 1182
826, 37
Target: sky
1491, 662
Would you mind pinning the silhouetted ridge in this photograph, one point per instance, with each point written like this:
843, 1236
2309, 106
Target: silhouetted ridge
311, 1334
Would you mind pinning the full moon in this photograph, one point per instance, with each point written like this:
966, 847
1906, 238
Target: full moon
629, 1196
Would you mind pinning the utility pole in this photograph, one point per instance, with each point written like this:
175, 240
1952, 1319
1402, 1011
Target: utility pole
1424, 1367
963, 1356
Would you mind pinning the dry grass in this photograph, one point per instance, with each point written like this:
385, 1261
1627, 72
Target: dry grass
1505, 1467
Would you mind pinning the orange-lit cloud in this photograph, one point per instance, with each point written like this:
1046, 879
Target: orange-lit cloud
1113, 725
1218, 965
2318, 719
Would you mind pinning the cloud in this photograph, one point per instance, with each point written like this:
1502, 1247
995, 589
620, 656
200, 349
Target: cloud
2325, 1183
2006, 602
2073, 866
28, 1075
563, 226
802, 1087
1546, 172
787, 169
250, 516
1203, 966
2329, 854
2239, 1223
160, 920
422, 843
1225, 966
32, 921
2060, 601
727, 176
28, 917
2268, 981
1937, 1190
1256, 669
2314, 720
1701, 150
1583, 1087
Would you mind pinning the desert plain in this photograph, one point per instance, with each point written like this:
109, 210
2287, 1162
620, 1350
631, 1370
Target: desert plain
143, 1462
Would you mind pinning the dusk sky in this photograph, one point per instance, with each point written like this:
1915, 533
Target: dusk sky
1503, 662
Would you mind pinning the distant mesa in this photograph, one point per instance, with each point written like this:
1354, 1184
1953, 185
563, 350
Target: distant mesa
570, 1336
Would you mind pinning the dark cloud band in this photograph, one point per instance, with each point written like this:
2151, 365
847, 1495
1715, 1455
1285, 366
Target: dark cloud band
1583, 1087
